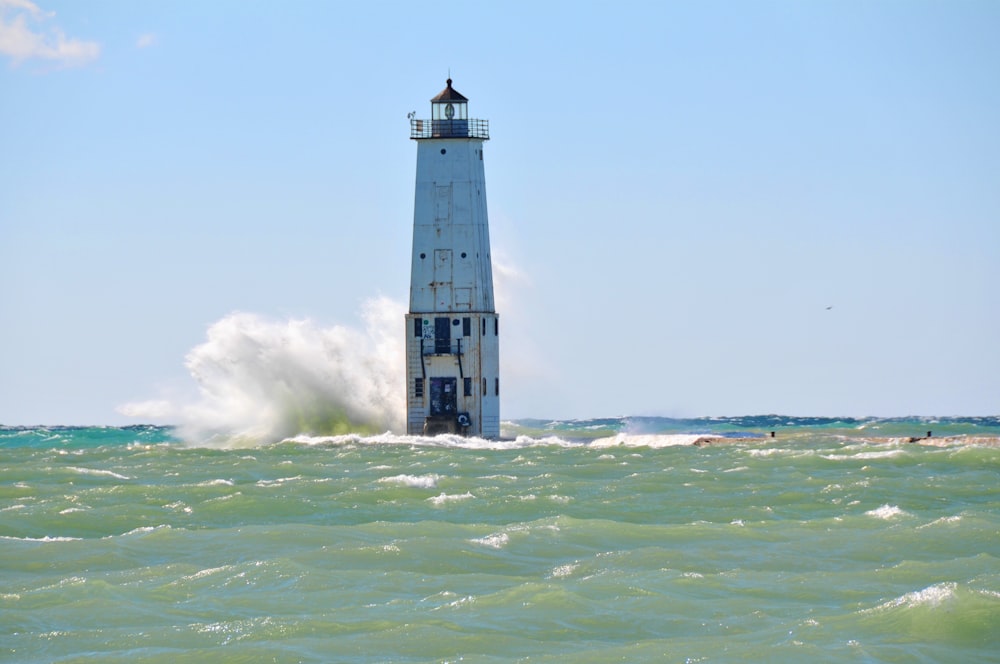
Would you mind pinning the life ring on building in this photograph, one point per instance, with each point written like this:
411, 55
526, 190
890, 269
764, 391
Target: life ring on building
463, 420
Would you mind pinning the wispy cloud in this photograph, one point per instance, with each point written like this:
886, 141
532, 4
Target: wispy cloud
146, 40
26, 33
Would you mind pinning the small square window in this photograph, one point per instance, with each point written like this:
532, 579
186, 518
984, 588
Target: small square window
418, 387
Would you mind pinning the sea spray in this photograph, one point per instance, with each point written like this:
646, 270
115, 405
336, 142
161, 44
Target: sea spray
262, 380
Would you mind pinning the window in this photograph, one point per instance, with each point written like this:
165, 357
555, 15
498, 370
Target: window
496, 386
484, 387
418, 327
468, 387
496, 327
418, 388
466, 327
484, 327
442, 335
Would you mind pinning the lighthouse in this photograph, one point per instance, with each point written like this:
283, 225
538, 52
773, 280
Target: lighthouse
452, 328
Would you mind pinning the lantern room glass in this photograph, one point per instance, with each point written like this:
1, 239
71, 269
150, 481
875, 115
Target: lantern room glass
449, 110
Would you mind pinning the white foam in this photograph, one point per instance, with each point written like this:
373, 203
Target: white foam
564, 570
278, 482
415, 481
886, 512
209, 571
494, 541
944, 519
930, 596
96, 471
449, 441
218, 482
769, 451
882, 454
655, 441
142, 530
448, 498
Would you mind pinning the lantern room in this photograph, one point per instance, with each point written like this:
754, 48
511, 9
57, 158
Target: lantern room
449, 119
449, 105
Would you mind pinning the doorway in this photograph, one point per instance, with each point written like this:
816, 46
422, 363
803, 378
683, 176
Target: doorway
444, 397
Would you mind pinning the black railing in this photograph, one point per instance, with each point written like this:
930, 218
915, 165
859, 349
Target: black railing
450, 129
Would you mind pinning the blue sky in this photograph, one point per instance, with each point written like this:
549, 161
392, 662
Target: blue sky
677, 193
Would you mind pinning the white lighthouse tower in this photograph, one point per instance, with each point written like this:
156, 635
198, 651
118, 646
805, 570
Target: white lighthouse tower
452, 329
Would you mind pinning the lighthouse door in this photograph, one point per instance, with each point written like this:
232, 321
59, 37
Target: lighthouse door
444, 397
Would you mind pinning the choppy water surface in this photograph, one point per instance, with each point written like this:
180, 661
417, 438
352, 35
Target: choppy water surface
576, 541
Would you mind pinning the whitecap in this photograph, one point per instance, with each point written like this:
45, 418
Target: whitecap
178, 506
209, 571
94, 471
413, 481
930, 596
886, 512
446, 498
47, 538
770, 451
654, 441
494, 541
944, 519
142, 530
882, 454
448, 441
218, 482
468, 599
277, 482
564, 570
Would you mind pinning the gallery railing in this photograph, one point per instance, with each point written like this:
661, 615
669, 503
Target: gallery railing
450, 129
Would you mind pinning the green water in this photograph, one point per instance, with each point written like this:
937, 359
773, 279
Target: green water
127, 546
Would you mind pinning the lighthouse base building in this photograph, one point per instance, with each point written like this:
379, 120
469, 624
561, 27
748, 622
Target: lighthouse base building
452, 328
